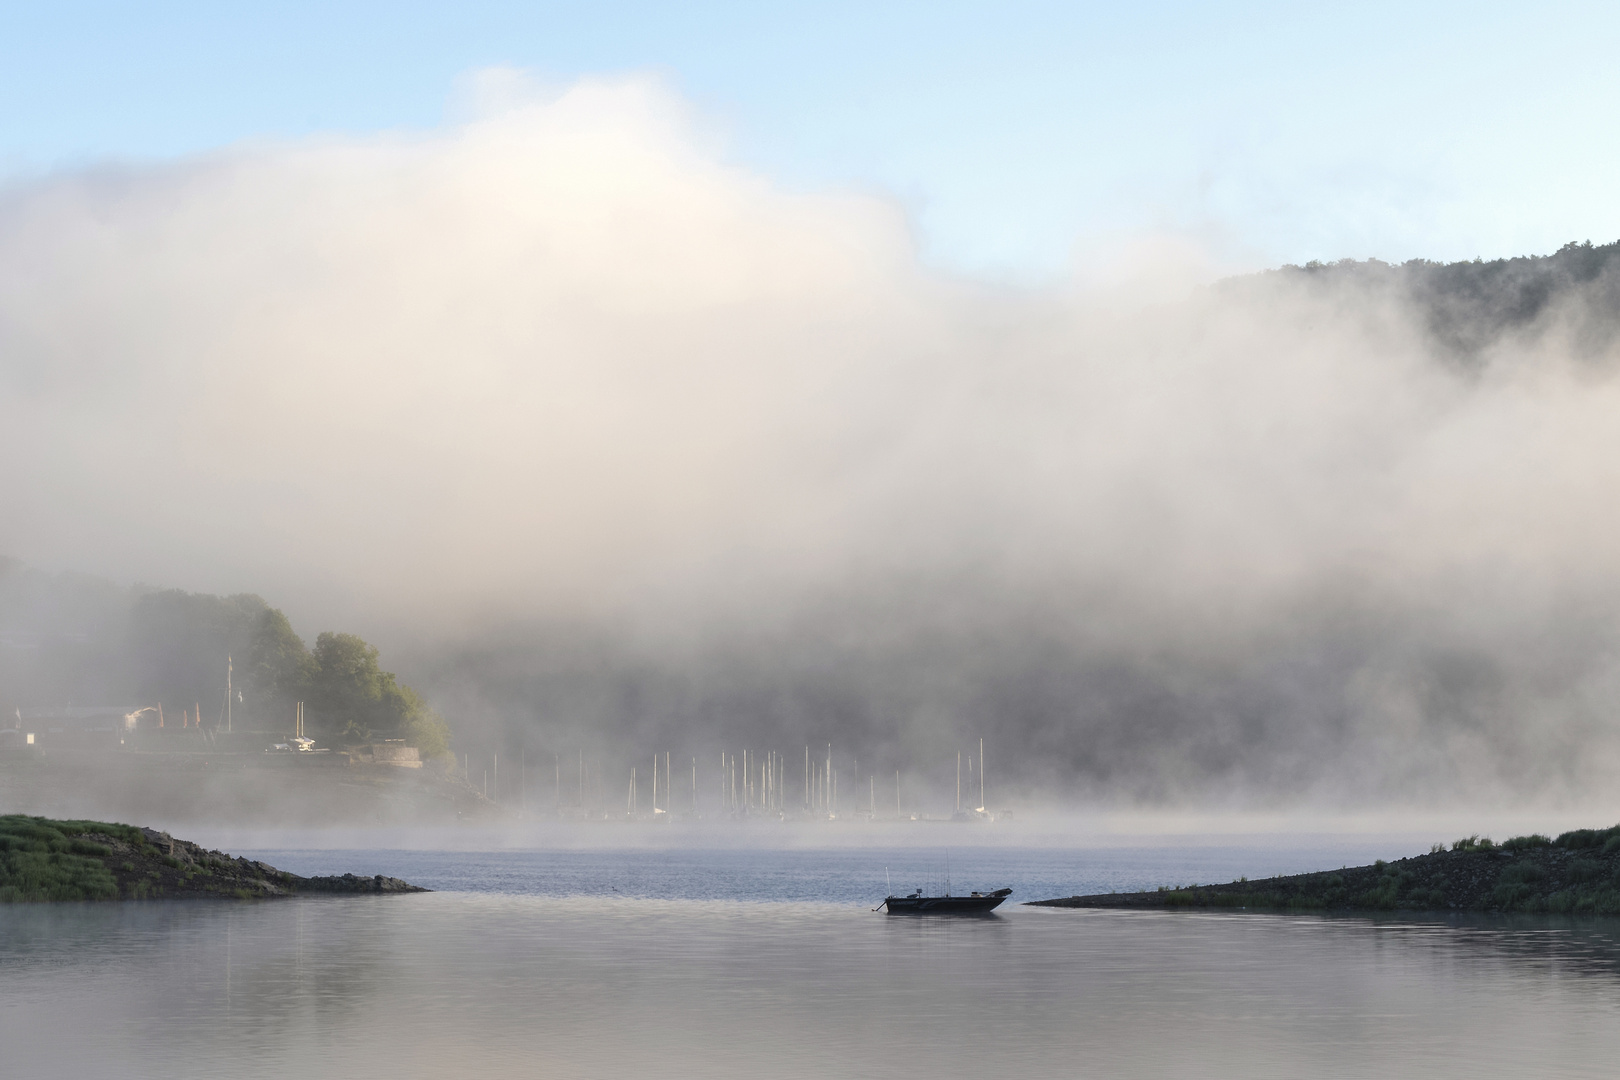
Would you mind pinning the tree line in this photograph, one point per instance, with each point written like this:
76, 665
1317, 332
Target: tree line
74, 639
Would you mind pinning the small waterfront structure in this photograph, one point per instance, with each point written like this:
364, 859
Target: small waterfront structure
386, 752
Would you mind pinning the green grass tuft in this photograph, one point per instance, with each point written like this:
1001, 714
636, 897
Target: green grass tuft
42, 860
1579, 839
1526, 843
1473, 843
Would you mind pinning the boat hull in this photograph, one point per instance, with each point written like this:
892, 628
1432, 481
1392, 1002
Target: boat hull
943, 905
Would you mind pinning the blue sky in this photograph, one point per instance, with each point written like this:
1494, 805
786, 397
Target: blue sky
1023, 137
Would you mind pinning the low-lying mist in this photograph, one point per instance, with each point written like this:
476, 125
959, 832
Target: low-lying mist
619, 448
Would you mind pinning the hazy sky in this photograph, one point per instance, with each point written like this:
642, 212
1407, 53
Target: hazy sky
1021, 137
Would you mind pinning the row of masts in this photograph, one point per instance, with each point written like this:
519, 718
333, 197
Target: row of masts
757, 787
959, 807
749, 784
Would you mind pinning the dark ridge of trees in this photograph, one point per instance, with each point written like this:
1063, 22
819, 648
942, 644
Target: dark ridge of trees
76, 639
1467, 307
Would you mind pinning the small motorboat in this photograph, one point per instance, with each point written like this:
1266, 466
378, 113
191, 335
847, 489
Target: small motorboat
918, 904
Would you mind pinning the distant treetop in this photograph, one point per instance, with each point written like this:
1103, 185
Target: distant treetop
1466, 307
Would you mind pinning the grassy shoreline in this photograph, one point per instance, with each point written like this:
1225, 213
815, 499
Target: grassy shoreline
1576, 873
44, 860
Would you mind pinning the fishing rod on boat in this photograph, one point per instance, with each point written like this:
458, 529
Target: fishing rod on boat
888, 887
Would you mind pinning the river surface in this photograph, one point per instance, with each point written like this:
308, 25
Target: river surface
759, 964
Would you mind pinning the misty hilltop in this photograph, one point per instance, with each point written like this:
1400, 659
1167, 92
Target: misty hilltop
1465, 308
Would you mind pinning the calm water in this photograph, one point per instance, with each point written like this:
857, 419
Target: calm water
583, 964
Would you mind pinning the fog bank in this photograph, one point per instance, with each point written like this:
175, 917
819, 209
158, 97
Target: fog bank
628, 449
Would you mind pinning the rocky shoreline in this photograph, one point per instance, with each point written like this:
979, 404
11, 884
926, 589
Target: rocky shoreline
43, 860
1577, 873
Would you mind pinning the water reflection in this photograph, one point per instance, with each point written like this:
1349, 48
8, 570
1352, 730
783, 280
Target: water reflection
496, 984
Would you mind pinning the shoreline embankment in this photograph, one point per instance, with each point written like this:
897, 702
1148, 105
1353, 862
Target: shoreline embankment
1576, 873
43, 860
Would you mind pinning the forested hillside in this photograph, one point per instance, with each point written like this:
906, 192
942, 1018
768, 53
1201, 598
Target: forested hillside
1468, 307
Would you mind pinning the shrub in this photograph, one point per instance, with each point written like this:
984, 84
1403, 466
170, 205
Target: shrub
1383, 897
1587, 870
1578, 839
1524, 873
1509, 895
1525, 843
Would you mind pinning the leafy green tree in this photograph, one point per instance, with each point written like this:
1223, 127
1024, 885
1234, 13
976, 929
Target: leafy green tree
422, 726
277, 664
351, 697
